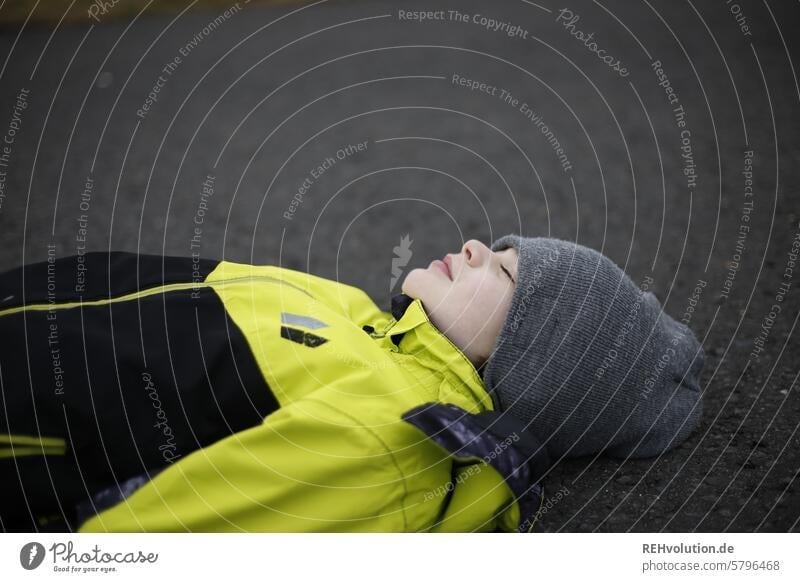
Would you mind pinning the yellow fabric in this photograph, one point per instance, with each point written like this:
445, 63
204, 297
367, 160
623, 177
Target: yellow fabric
16, 445
337, 455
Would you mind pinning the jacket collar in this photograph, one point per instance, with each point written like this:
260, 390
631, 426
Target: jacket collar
414, 334
400, 303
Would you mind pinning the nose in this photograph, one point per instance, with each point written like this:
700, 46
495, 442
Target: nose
475, 252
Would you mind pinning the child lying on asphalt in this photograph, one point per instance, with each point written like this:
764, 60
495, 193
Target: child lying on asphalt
147, 393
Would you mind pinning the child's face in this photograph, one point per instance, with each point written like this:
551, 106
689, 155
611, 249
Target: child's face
471, 307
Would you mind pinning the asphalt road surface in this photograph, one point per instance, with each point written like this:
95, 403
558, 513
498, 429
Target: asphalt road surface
317, 136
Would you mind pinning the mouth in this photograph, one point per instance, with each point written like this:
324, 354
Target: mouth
444, 267
449, 264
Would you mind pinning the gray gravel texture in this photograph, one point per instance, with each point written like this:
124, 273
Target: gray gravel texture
262, 98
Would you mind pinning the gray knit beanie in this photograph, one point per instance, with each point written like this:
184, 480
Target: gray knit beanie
589, 361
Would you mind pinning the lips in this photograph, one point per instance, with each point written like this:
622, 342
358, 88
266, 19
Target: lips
449, 266
444, 267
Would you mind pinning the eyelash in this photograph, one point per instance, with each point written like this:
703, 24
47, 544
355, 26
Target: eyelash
509, 274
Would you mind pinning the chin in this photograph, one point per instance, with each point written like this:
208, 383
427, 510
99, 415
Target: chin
421, 283
414, 281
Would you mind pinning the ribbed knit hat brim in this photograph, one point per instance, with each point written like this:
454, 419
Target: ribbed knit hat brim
588, 360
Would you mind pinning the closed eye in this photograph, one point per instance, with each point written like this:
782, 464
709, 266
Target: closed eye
509, 274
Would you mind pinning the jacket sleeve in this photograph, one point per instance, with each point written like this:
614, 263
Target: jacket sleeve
498, 465
308, 467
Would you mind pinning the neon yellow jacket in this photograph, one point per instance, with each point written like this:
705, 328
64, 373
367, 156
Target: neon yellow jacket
376, 421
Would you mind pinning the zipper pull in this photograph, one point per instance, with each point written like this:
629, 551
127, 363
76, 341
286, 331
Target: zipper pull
372, 333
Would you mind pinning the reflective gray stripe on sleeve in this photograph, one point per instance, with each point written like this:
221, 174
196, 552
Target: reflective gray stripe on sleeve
302, 321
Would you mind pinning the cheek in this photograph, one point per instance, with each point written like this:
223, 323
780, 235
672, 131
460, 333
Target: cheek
487, 290
495, 299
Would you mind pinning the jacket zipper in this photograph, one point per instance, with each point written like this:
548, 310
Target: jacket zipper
146, 293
